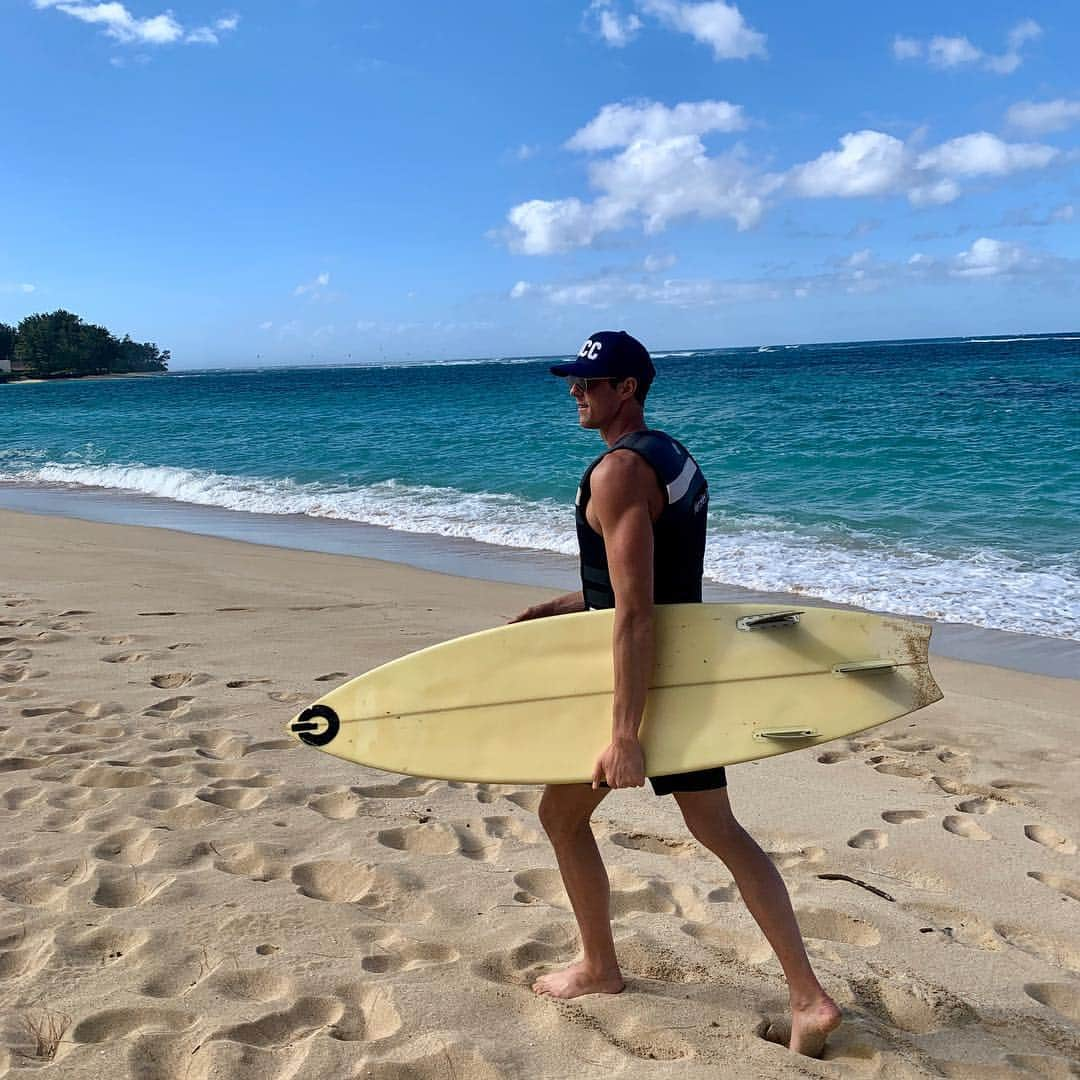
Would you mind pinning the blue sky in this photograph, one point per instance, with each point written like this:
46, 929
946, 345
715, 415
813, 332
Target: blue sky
338, 181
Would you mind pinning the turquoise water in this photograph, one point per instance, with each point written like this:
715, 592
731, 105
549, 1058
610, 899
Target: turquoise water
939, 478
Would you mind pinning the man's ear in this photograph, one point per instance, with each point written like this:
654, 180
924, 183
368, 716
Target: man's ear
629, 381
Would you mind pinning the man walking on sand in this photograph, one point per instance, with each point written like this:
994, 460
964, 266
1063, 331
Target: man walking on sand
641, 516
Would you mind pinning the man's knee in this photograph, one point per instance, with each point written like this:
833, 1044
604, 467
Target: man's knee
561, 814
708, 816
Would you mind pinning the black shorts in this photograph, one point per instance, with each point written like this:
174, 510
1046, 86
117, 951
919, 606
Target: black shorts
701, 780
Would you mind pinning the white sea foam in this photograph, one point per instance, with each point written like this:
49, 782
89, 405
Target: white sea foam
983, 588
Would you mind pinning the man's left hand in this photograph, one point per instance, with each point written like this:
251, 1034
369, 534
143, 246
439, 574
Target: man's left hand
621, 765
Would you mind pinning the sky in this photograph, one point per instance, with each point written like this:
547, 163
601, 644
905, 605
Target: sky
340, 181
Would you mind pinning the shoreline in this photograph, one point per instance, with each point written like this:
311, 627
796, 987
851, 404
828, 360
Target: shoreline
1034, 654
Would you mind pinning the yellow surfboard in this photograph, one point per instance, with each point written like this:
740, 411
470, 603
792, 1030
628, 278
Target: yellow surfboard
530, 703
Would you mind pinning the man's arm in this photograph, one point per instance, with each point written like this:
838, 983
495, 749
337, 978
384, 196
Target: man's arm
621, 486
561, 605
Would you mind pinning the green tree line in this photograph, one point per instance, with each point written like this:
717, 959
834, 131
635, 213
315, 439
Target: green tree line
61, 345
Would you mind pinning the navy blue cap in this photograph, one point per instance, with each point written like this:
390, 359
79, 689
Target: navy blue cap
610, 354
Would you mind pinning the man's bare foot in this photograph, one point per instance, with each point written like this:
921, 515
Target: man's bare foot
577, 980
810, 1026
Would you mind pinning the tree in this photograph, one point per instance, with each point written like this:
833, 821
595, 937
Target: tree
7, 346
60, 344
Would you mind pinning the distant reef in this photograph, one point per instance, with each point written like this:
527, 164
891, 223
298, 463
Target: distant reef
60, 345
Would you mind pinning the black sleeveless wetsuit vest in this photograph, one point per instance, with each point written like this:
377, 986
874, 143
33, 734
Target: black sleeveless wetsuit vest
678, 533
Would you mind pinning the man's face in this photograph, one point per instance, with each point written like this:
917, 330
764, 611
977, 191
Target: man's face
597, 401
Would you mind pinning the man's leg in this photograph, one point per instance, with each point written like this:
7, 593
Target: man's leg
564, 812
708, 816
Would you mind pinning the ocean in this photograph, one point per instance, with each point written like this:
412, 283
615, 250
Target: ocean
936, 478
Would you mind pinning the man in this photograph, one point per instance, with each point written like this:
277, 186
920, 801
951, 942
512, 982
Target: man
641, 518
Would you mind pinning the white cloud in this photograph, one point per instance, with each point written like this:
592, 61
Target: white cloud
616, 29
525, 151
122, 26
625, 123
1043, 116
313, 288
867, 163
662, 172
17, 287
653, 263
714, 23
905, 48
545, 227
945, 53
606, 290
983, 154
874, 163
859, 273
268, 325
991, 258
948, 52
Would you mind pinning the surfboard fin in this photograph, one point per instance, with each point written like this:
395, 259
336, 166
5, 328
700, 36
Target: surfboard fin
768, 620
861, 667
788, 734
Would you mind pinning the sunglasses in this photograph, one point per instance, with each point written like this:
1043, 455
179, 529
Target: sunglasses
577, 382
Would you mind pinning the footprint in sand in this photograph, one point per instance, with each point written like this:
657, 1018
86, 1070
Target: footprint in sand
520, 965
654, 845
977, 806
896, 768
23, 952
339, 882
175, 679
480, 840
629, 894
1069, 887
154, 614
129, 847
232, 798
827, 924
1063, 999
259, 862
307, 1017
170, 708
831, 757
100, 948
911, 1004
338, 805
869, 839
114, 639
389, 951
116, 888
1050, 838
243, 684
125, 657
287, 697
370, 1013
252, 984
17, 693
962, 826
408, 788
1064, 954
119, 1023
904, 817
331, 676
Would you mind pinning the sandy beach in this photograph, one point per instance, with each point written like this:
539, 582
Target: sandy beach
186, 894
